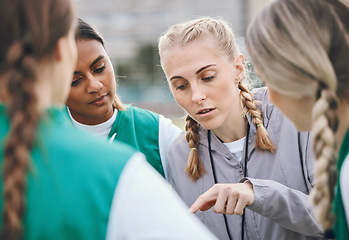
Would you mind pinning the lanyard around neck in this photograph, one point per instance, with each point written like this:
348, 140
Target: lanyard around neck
245, 175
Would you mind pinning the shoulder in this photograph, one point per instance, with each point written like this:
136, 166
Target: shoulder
273, 118
139, 116
260, 93
63, 139
167, 127
92, 147
73, 151
140, 112
179, 146
180, 140
261, 96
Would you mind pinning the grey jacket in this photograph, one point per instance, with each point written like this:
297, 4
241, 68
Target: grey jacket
281, 208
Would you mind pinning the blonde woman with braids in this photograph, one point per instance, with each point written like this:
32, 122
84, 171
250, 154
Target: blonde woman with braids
260, 167
58, 182
301, 51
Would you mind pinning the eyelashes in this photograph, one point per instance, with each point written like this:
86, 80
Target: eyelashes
183, 86
76, 82
97, 71
208, 78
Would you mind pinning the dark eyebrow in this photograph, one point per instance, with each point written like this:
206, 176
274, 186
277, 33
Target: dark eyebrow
100, 57
197, 72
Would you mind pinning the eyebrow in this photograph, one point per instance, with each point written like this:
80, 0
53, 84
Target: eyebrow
197, 72
100, 57
204, 67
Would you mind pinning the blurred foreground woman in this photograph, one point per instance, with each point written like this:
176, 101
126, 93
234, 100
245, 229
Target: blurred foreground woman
301, 51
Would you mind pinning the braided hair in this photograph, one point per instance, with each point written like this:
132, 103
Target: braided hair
29, 31
219, 30
308, 43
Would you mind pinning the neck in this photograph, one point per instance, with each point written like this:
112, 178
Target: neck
343, 119
235, 131
91, 120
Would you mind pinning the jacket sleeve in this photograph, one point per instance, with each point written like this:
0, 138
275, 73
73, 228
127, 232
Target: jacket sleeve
288, 207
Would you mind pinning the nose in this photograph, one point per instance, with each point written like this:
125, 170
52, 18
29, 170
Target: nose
94, 85
198, 95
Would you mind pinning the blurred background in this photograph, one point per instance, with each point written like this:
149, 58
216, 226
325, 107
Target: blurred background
131, 29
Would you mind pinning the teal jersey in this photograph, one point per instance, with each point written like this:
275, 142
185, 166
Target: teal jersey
71, 179
140, 129
341, 226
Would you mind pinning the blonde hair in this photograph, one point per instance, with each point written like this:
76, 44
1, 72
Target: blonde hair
221, 32
117, 103
301, 48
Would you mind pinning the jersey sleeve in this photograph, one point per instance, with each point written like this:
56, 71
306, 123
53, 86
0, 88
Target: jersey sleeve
144, 207
167, 133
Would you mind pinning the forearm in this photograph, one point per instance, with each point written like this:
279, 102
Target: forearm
288, 207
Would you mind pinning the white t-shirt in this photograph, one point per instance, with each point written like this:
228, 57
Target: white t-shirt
236, 147
144, 207
100, 130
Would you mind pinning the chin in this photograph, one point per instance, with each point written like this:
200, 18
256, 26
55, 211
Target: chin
209, 125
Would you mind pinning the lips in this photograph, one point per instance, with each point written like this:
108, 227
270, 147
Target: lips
98, 99
204, 111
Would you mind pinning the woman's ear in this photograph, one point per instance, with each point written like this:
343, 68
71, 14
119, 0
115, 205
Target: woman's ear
239, 67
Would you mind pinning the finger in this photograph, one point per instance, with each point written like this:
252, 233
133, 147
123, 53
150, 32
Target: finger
221, 202
204, 202
240, 206
231, 204
202, 206
245, 197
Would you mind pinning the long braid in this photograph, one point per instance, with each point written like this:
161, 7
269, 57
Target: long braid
263, 141
321, 39
323, 133
195, 169
23, 115
28, 39
220, 30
